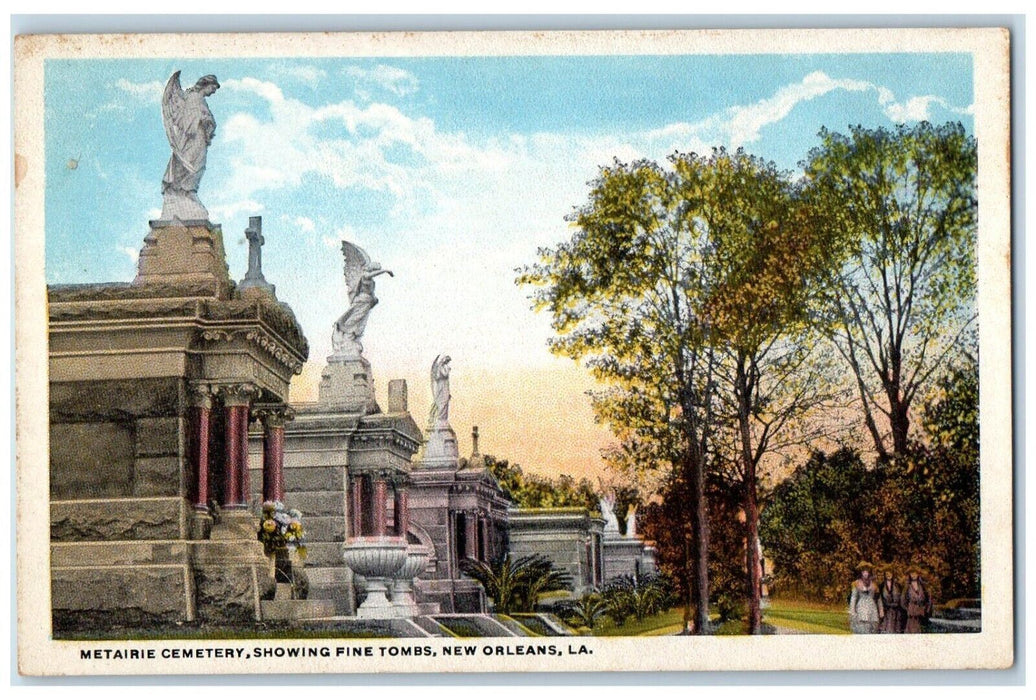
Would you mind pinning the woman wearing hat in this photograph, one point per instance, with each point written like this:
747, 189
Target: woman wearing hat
917, 602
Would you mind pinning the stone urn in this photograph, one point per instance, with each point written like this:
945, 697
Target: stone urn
376, 559
417, 557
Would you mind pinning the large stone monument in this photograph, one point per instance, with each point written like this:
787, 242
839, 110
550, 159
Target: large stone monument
457, 508
153, 386
346, 381
348, 465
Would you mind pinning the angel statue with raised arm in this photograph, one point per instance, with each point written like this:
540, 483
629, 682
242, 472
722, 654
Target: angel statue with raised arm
189, 126
359, 281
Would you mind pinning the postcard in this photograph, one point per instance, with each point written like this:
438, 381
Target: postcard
512, 351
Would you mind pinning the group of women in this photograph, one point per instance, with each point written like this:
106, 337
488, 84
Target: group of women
889, 608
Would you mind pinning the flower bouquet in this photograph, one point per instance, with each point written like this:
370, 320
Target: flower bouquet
281, 529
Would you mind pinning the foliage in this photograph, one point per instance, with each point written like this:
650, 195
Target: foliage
626, 597
533, 491
281, 529
515, 585
900, 209
920, 510
585, 611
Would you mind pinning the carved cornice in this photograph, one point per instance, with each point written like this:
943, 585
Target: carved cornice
256, 338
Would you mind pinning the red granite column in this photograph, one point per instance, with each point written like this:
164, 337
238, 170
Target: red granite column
245, 495
402, 511
380, 501
236, 401
356, 507
201, 422
232, 467
273, 451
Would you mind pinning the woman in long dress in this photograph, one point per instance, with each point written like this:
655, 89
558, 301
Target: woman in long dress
864, 605
891, 604
918, 604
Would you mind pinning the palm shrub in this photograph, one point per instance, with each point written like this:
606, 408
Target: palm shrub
515, 585
585, 611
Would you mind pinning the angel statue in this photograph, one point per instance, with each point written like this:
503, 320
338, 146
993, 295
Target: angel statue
440, 412
189, 126
359, 281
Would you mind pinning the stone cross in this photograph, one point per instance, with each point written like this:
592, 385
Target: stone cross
254, 276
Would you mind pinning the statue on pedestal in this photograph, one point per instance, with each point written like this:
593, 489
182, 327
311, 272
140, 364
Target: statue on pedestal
359, 280
440, 412
189, 126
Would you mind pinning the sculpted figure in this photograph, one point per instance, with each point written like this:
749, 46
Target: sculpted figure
440, 412
359, 280
189, 126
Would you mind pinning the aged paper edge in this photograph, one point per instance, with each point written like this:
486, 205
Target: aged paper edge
38, 654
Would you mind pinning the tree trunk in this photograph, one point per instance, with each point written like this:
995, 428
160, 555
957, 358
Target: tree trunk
698, 579
744, 390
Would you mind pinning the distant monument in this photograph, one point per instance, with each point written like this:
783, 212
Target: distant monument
189, 126
441, 448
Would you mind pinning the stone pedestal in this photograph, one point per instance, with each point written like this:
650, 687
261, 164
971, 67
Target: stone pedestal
235, 525
347, 384
230, 579
441, 448
183, 253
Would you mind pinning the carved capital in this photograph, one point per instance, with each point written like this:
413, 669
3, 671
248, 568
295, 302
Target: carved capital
273, 415
240, 394
200, 395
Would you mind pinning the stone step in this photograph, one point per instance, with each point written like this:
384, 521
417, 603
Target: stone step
118, 553
296, 609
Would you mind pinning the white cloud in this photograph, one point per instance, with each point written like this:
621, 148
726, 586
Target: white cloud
132, 253
304, 223
149, 93
226, 211
310, 75
394, 80
917, 108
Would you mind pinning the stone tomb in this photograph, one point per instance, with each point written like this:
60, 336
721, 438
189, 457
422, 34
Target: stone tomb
570, 537
152, 388
459, 512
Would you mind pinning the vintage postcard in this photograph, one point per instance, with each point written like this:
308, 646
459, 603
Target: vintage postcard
570, 351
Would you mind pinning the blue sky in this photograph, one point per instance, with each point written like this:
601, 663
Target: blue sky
449, 171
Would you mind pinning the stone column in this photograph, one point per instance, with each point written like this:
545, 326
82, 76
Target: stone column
402, 511
201, 423
356, 507
273, 419
236, 401
380, 501
471, 535
484, 527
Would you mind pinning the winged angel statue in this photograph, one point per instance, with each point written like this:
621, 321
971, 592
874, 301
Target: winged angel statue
189, 126
359, 281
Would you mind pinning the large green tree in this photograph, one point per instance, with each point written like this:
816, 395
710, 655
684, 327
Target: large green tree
627, 295
900, 207
769, 264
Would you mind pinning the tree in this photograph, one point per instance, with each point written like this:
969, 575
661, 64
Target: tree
532, 491
627, 295
769, 264
900, 209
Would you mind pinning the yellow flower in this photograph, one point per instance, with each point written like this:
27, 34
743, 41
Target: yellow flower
269, 525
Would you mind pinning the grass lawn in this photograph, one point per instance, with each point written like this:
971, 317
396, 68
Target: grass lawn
668, 622
806, 616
